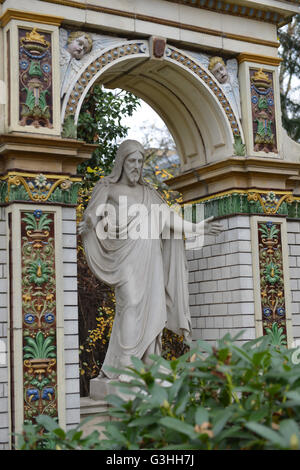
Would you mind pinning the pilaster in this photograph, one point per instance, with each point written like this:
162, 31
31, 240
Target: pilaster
38, 198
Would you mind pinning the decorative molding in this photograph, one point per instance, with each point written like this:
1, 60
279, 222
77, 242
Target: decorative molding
11, 14
259, 59
164, 22
250, 201
264, 15
30, 187
178, 56
234, 174
130, 48
236, 9
19, 149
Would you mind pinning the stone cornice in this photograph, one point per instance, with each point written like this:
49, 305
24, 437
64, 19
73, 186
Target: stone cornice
23, 152
236, 173
48, 142
244, 9
259, 59
162, 21
12, 14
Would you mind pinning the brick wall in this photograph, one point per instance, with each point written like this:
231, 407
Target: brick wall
221, 285
293, 229
4, 429
71, 343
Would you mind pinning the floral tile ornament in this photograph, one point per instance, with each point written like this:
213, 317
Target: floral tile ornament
39, 313
271, 271
35, 78
263, 111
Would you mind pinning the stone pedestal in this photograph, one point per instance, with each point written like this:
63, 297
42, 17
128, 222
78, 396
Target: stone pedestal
101, 387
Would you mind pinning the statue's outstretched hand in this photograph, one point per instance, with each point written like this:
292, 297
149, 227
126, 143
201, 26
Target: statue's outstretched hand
85, 225
209, 227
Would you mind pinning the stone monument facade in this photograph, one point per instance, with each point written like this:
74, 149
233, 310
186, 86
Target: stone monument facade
210, 69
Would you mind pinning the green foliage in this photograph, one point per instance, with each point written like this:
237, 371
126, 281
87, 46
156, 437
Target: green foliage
269, 232
100, 123
226, 397
239, 147
42, 222
277, 337
40, 347
47, 435
289, 38
69, 129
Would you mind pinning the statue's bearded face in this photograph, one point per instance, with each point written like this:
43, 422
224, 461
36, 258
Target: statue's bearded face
79, 47
132, 167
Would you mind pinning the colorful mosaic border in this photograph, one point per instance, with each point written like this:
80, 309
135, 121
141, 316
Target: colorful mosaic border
128, 49
177, 56
39, 188
249, 202
135, 49
39, 314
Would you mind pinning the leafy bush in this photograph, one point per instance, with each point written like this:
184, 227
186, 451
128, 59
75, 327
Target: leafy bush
225, 397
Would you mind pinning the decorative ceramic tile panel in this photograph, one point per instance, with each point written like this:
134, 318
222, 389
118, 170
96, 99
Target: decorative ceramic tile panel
39, 314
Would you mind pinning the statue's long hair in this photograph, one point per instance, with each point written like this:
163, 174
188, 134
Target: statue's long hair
126, 148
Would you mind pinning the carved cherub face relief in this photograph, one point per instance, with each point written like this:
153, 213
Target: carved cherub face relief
218, 69
79, 46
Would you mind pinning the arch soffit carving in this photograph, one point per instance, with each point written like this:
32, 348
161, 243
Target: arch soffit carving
139, 49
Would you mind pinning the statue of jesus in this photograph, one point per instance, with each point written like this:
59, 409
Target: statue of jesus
134, 242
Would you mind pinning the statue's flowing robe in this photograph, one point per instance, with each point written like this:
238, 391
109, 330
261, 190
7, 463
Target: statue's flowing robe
149, 276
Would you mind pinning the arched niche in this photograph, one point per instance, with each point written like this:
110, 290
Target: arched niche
186, 96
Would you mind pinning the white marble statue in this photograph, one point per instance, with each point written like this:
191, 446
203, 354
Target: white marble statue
76, 50
134, 242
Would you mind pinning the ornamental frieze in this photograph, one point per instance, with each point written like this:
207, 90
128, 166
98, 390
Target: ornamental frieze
207, 77
39, 188
250, 202
90, 69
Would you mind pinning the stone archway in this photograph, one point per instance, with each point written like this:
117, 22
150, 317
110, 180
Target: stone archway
184, 93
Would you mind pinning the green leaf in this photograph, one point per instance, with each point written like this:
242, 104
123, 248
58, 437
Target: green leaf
265, 432
48, 423
201, 415
115, 433
242, 354
59, 433
158, 394
179, 426
143, 421
220, 420
138, 364
115, 400
44, 222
